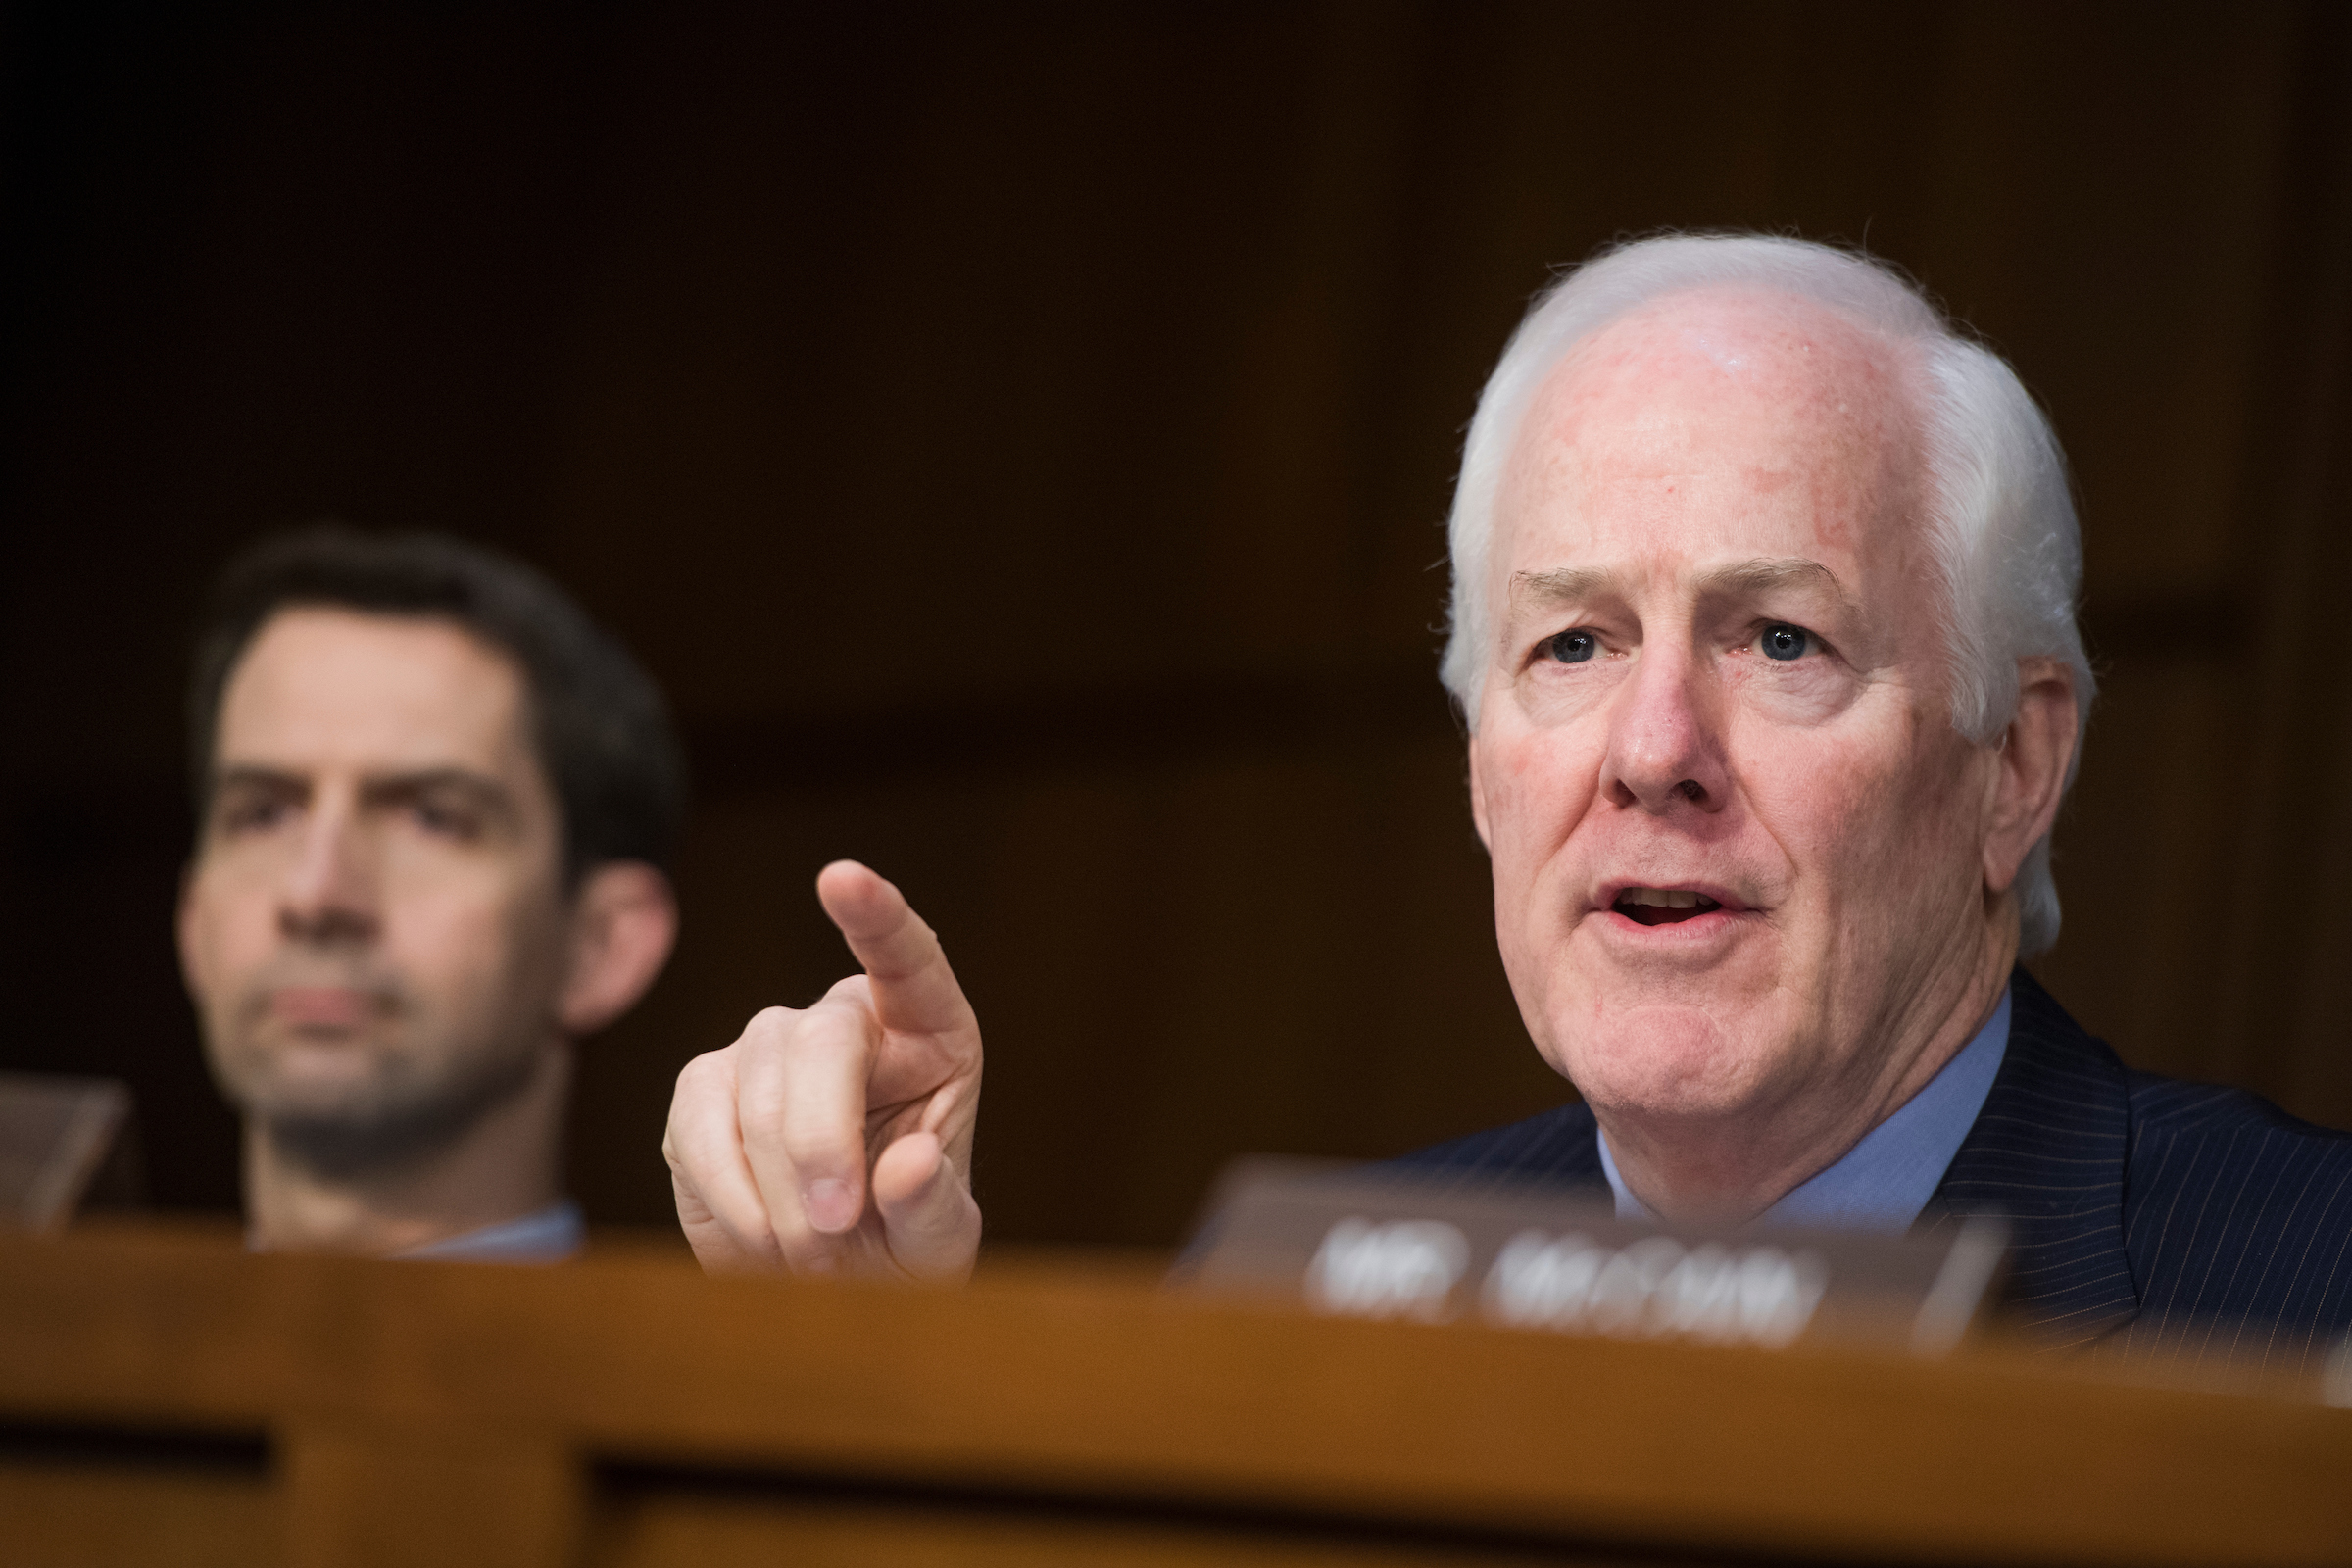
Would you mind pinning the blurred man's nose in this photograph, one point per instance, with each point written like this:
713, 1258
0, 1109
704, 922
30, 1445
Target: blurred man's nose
330, 894
1666, 749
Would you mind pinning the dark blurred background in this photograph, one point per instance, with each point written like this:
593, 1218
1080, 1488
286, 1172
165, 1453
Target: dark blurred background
1018, 438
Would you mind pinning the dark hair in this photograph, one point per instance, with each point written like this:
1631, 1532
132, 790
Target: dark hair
602, 732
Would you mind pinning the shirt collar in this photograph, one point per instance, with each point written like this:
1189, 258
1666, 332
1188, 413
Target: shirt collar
1883, 1181
550, 1236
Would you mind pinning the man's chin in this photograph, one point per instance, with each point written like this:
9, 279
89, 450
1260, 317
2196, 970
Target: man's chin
349, 1111
1668, 1058
352, 1135
1663, 1104
349, 1093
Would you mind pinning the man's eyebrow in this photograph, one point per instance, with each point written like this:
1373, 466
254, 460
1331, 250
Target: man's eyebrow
1751, 577
248, 775
398, 786
1765, 573
396, 783
1560, 585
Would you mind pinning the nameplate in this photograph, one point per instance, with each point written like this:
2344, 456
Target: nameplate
1373, 1242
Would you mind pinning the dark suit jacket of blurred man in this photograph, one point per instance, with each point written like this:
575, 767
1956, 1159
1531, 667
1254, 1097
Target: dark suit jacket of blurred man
2147, 1212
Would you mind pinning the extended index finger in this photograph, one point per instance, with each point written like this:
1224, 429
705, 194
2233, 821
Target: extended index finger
914, 989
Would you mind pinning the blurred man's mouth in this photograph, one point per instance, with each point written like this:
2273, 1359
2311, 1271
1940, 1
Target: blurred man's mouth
1662, 905
324, 1007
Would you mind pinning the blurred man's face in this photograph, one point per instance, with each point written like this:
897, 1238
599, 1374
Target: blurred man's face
1737, 844
373, 925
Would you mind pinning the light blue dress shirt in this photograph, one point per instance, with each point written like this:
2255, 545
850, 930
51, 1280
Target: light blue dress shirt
1883, 1181
550, 1236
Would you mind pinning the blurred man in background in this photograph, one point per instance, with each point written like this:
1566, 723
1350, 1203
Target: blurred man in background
436, 806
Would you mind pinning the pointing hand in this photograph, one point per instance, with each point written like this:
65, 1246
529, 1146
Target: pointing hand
838, 1137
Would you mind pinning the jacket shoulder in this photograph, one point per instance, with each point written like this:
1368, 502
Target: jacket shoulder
2216, 1110
2238, 1212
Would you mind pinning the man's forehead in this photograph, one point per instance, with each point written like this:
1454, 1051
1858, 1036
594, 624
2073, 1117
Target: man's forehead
1774, 343
1801, 381
1716, 426
328, 687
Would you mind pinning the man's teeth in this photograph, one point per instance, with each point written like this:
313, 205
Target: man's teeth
1666, 897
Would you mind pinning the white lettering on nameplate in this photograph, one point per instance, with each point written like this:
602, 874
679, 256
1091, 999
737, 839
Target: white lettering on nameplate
1655, 1288
1405, 1269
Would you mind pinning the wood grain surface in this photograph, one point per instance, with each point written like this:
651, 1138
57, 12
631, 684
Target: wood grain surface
627, 1409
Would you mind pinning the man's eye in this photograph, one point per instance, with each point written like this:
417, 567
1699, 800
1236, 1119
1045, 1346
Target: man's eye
1572, 647
1786, 642
449, 821
251, 815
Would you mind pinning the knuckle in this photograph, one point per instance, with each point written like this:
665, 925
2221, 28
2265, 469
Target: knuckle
853, 990
701, 1071
766, 1027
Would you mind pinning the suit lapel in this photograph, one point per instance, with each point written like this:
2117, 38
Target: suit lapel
2047, 1152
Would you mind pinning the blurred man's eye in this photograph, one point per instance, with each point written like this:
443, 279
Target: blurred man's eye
251, 814
448, 819
1785, 642
1572, 647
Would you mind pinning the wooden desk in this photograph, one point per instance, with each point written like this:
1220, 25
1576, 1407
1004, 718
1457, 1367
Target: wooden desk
171, 1399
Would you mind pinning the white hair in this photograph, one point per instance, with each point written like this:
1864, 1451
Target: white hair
2006, 545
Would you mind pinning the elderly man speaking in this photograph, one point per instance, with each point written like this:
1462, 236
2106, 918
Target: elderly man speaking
1764, 585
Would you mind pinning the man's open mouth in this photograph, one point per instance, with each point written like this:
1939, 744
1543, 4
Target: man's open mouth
1662, 905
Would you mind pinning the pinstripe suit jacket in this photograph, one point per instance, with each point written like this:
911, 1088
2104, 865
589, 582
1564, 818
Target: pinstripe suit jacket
2145, 1213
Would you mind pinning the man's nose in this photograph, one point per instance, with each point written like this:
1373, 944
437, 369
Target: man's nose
1666, 749
330, 892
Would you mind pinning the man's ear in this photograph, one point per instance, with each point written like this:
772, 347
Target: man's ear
2030, 771
1478, 798
624, 920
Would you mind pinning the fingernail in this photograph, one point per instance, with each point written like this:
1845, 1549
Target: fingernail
832, 1205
